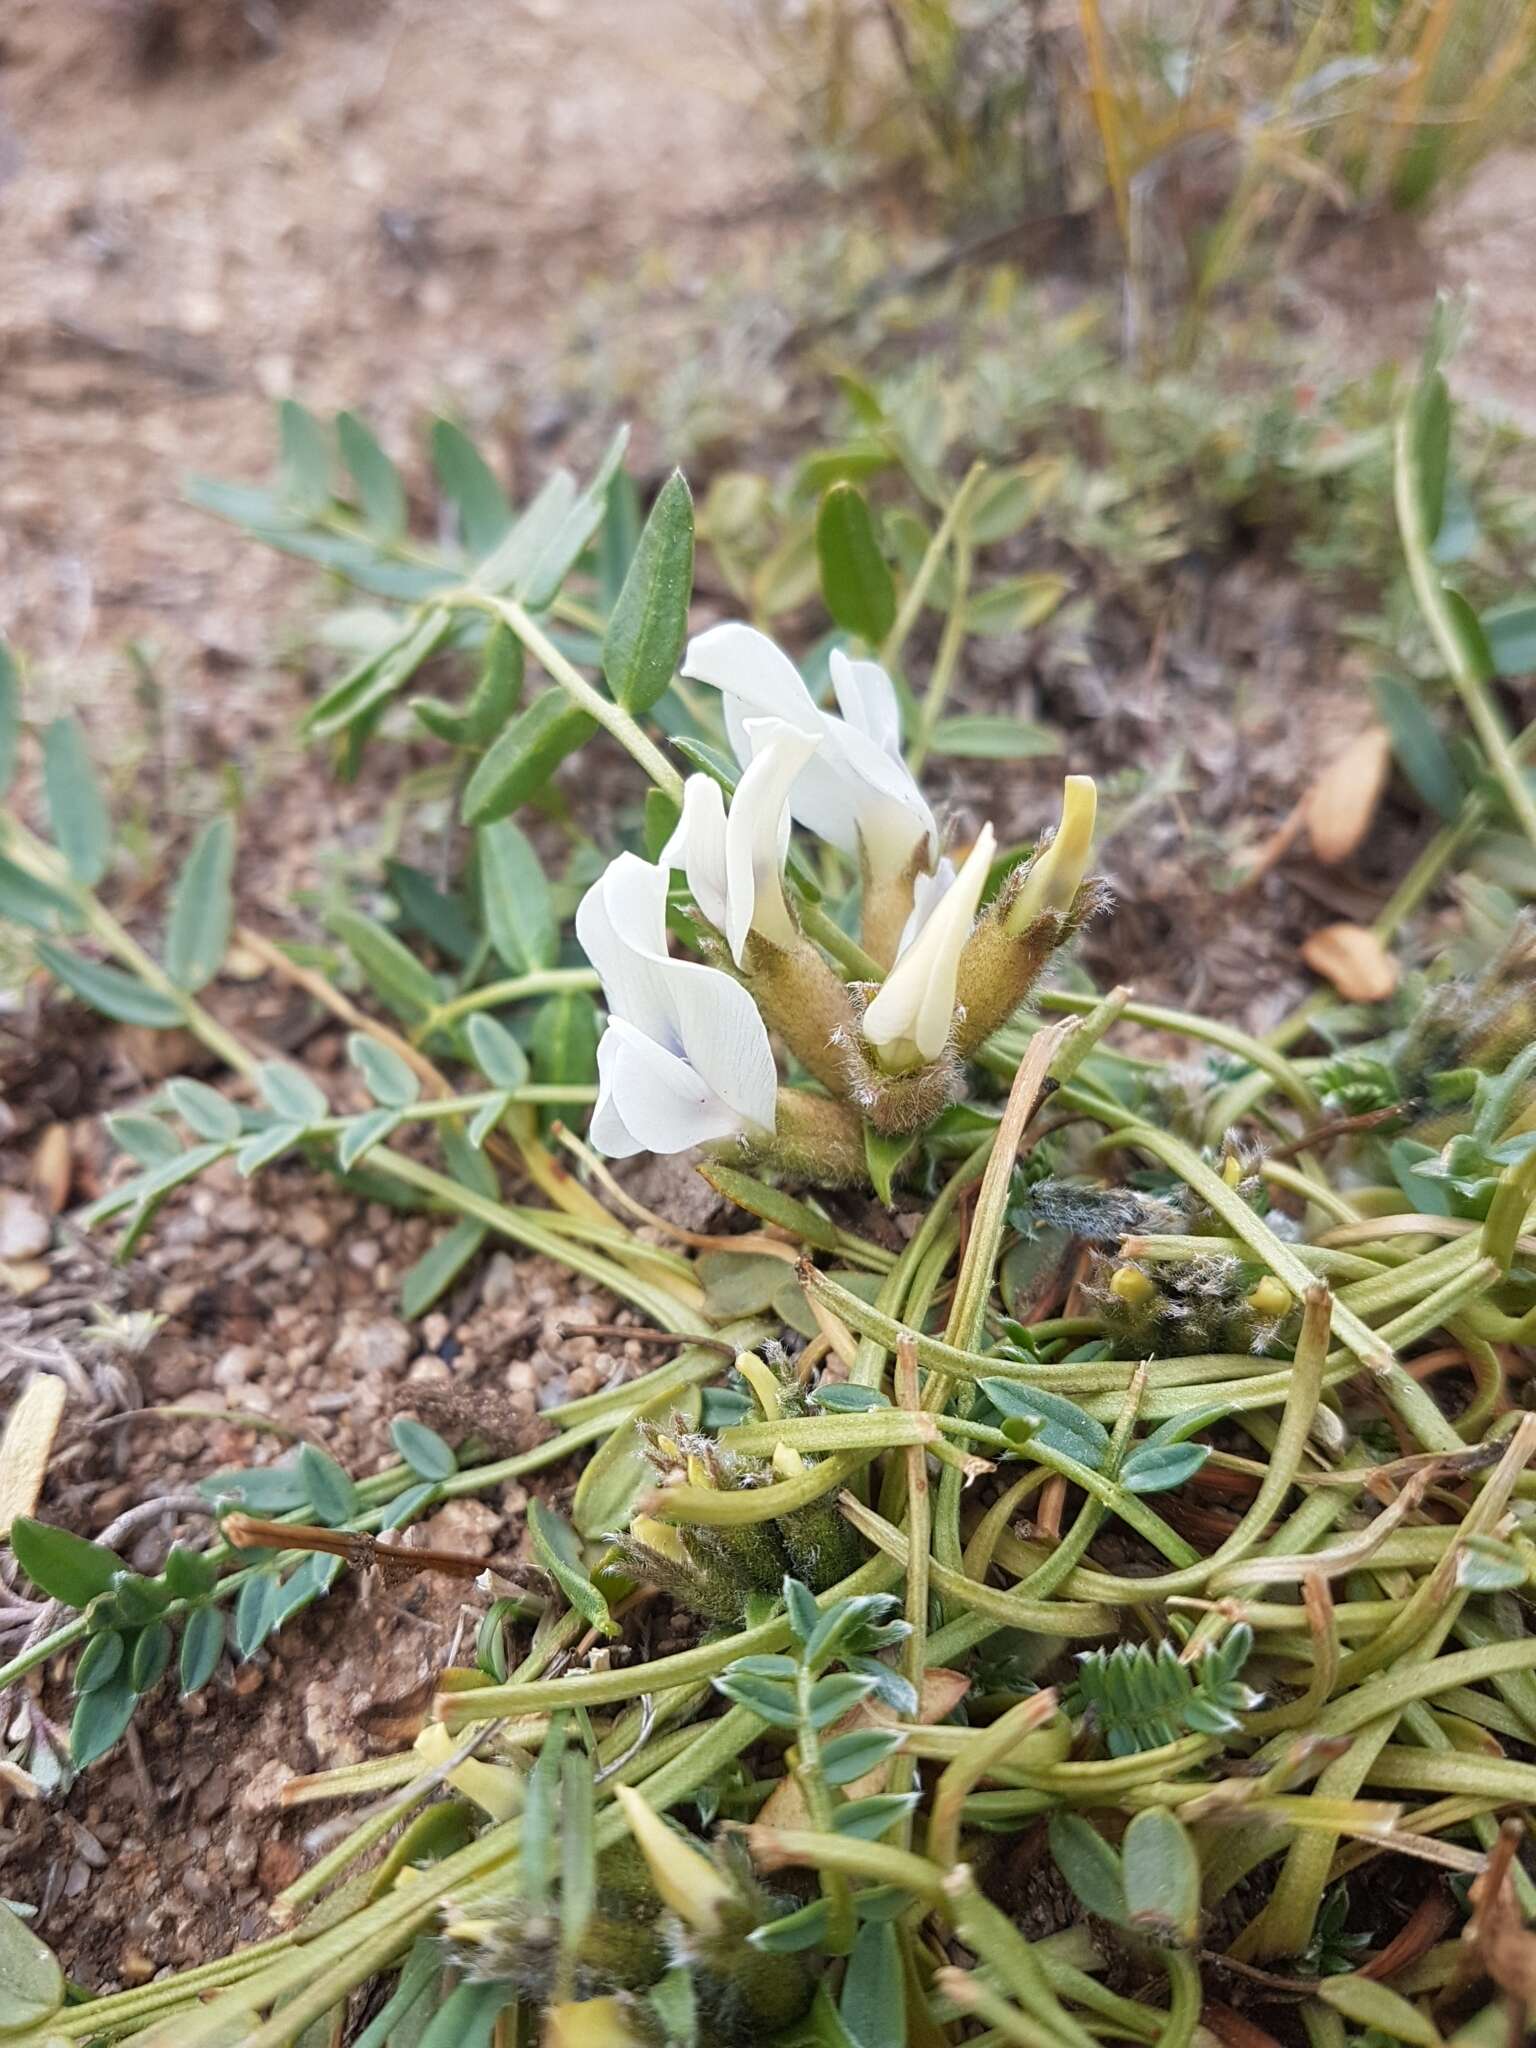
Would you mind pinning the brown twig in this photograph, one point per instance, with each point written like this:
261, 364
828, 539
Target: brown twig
1336, 1127
1418, 1934
331, 998
1232, 2029
358, 1549
632, 1333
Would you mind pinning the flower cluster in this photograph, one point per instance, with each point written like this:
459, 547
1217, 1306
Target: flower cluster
687, 1058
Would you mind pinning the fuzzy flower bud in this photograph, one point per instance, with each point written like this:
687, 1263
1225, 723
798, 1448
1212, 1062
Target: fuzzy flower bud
1054, 876
1039, 907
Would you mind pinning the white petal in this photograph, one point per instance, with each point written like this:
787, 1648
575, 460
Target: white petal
866, 696
914, 1011
745, 666
697, 846
662, 1102
928, 892
856, 792
621, 924
697, 1015
722, 1036
892, 833
852, 793
757, 834
608, 1132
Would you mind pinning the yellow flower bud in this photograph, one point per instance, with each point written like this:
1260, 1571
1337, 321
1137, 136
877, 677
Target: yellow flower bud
1231, 1170
1130, 1285
1056, 875
1271, 1298
590, 2023
762, 1382
662, 1537
496, 1788
787, 1462
685, 1878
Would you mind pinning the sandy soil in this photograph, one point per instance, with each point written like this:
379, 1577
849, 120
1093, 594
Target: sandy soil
397, 209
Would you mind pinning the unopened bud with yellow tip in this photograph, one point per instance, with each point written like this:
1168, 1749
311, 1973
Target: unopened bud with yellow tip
911, 1019
497, 1789
1038, 908
684, 1877
662, 1537
761, 1379
1054, 877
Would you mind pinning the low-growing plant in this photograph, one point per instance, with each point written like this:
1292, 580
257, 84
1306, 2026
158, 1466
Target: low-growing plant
1001, 1584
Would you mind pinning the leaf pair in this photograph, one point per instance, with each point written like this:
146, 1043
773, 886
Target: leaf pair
1151, 1887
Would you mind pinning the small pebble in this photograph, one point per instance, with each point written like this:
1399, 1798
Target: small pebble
25, 1231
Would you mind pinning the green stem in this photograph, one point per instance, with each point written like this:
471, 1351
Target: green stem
830, 936
610, 716
947, 659
47, 866
1184, 1998
1462, 658
987, 1930
873, 1862
522, 1228
917, 590
685, 1667
818, 1800
1284, 1072
548, 981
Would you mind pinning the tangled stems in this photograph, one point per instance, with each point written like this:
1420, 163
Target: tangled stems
685, 1667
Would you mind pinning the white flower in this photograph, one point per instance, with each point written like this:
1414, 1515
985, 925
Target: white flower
928, 892
856, 792
910, 1020
685, 1058
734, 860
1054, 877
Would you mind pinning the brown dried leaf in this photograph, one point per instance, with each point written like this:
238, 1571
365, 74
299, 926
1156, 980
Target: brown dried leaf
1342, 801
1354, 960
1505, 1946
24, 1454
53, 1168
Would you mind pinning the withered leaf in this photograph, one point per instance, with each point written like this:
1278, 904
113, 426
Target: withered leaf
1354, 960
